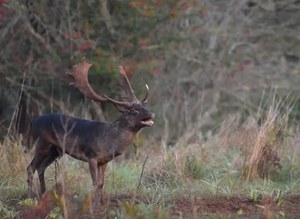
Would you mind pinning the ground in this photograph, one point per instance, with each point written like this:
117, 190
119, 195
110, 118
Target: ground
212, 207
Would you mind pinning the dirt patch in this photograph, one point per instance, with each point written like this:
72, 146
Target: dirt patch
266, 207
288, 207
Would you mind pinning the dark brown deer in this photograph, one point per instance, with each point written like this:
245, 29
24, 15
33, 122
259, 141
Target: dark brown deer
94, 142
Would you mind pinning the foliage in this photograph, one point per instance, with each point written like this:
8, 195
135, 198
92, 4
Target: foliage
6, 212
212, 58
195, 167
216, 70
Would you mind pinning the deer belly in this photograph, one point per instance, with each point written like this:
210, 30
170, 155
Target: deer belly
105, 159
77, 154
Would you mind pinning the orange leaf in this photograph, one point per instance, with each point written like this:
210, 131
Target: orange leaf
186, 6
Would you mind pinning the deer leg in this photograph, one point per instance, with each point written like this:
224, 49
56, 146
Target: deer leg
93, 170
101, 170
41, 152
38, 158
101, 173
97, 172
51, 157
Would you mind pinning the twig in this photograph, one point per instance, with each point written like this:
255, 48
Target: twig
38, 93
140, 180
37, 36
107, 18
142, 173
16, 107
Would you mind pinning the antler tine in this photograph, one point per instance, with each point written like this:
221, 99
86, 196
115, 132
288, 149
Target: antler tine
125, 84
80, 76
145, 100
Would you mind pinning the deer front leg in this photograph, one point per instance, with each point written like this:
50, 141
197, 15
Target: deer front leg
101, 174
95, 171
101, 170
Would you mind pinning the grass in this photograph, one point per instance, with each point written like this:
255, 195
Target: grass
228, 163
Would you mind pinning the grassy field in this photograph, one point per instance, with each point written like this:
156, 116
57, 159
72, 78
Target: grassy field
241, 169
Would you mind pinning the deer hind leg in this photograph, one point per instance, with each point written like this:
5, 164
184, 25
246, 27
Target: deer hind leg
41, 152
47, 161
37, 159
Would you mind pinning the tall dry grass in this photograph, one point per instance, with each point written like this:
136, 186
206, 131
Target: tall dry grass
269, 139
13, 157
259, 146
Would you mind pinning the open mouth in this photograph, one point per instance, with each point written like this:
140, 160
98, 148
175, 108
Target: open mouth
147, 122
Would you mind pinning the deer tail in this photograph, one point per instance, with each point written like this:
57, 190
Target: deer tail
22, 124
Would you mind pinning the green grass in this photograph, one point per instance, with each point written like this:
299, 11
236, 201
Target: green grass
162, 181
214, 167
122, 178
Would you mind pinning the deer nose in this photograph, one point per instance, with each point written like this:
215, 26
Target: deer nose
152, 115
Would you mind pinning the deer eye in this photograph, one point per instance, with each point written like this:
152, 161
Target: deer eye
134, 111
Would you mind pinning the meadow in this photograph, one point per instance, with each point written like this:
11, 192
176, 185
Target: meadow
241, 169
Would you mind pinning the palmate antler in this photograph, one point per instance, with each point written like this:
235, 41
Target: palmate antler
79, 75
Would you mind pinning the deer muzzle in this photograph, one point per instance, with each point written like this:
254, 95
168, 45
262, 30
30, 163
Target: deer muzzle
149, 120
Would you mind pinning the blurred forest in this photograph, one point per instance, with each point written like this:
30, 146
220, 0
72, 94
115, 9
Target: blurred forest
203, 59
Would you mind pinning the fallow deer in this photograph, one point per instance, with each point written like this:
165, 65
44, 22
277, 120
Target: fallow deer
94, 142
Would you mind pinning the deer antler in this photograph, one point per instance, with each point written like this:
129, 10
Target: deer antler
80, 81
124, 83
79, 75
145, 100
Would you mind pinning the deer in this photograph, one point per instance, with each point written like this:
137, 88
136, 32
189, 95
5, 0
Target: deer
91, 141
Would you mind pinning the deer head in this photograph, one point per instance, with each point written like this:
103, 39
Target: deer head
135, 115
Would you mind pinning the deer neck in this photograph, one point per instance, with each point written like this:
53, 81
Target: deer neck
121, 137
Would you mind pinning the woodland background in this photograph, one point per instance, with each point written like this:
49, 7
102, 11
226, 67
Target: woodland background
224, 81
203, 60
